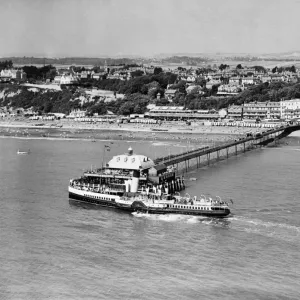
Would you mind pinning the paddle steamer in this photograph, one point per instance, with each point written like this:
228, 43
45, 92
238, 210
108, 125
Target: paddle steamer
174, 204
134, 183
124, 175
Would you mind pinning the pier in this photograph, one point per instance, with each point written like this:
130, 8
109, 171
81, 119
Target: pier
206, 155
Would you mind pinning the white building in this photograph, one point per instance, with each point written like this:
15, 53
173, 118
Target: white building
68, 79
77, 113
13, 74
290, 109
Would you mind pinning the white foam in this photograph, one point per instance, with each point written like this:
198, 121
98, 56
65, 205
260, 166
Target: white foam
160, 144
170, 217
258, 222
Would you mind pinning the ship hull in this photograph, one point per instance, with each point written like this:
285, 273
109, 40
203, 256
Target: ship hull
220, 214
92, 198
138, 206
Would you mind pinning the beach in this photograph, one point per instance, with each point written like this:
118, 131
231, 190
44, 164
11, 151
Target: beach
67, 129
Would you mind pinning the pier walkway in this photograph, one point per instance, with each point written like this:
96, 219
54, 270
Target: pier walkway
243, 144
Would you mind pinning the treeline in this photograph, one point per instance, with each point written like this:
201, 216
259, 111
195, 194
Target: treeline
32, 72
66, 100
185, 60
91, 61
264, 92
136, 102
145, 85
42, 73
6, 64
254, 58
283, 69
45, 101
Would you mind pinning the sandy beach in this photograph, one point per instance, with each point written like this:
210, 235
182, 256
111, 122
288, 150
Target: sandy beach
66, 129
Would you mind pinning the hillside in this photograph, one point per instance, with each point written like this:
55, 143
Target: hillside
139, 91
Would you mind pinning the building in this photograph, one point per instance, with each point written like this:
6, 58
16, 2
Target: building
247, 80
277, 78
229, 89
290, 109
194, 88
179, 113
266, 78
77, 113
13, 74
261, 110
98, 76
235, 112
170, 94
68, 79
211, 83
235, 80
57, 79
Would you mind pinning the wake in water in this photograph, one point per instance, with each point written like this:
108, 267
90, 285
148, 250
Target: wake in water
280, 231
182, 218
169, 217
160, 144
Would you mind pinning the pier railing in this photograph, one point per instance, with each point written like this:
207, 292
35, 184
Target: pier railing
249, 141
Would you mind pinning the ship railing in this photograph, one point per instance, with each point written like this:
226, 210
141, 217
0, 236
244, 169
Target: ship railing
96, 189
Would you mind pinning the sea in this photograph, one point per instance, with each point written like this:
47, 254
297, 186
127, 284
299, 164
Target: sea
54, 248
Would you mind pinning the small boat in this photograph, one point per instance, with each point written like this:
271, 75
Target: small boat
23, 152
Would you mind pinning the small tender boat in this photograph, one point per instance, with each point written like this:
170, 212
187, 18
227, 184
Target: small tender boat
23, 152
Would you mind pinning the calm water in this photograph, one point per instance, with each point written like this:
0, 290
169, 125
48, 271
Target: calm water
53, 249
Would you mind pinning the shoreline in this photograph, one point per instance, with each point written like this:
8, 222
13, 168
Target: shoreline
71, 130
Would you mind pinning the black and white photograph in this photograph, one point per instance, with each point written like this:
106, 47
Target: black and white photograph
149, 149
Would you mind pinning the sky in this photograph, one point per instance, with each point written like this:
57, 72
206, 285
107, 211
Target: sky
94, 28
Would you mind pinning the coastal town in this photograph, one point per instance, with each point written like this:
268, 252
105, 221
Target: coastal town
149, 150
192, 94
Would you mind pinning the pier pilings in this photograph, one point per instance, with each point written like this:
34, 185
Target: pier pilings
208, 155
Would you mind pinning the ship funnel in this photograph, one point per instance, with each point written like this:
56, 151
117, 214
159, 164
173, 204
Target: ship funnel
130, 151
135, 181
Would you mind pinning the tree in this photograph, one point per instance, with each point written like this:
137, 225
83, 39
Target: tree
293, 69
126, 108
239, 66
99, 108
6, 64
223, 67
180, 86
158, 70
260, 69
51, 74
201, 81
48, 107
137, 73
